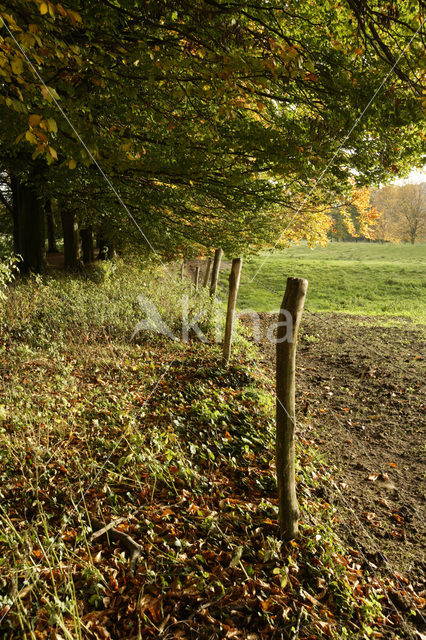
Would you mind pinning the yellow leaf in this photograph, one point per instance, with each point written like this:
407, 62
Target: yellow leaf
48, 93
27, 40
52, 152
72, 164
44, 8
34, 120
61, 10
10, 19
74, 16
52, 126
30, 137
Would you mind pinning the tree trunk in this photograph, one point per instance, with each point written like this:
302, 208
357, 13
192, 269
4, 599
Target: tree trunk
28, 227
288, 325
51, 228
71, 240
215, 272
15, 213
87, 248
100, 243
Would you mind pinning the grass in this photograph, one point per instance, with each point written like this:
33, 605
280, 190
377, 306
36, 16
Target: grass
154, 432
355, 278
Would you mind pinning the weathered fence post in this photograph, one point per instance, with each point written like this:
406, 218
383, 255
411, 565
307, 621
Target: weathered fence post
196, 277
182, 269
208, 272
234, 283
215, 273
288, 326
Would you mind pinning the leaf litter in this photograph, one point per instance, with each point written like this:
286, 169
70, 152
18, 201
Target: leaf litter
187, 470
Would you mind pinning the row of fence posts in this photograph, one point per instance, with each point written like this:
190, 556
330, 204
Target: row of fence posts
289, 319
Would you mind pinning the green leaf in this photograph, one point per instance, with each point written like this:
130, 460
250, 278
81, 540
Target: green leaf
17, 66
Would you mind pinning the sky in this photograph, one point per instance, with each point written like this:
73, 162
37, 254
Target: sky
415, 177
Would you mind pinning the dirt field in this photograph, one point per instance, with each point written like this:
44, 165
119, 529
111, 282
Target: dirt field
361, 399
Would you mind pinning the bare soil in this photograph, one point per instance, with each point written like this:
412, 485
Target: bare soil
56, 260
361, 400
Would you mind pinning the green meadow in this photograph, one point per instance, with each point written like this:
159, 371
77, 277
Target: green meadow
348, 277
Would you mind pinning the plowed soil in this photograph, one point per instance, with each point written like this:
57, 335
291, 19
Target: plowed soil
361, 399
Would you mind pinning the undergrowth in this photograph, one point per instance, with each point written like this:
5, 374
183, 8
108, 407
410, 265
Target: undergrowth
155, 434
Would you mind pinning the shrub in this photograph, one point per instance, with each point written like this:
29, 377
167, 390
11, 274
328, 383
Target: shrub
8, 267
103, 304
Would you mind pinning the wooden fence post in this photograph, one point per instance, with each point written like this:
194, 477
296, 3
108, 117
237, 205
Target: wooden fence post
208, 272
182, 269
215, 273
288, 326
234, 283
196, 277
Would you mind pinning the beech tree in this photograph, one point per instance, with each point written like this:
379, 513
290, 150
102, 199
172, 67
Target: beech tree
356, 219
218, 124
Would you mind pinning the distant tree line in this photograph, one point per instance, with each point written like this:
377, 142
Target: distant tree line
403, 210
399, 215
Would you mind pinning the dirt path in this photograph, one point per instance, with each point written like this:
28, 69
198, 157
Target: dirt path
361, 399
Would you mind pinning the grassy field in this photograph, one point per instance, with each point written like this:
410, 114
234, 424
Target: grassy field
356, 278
